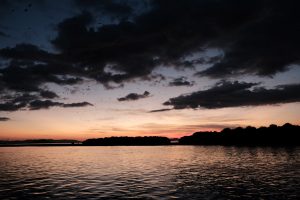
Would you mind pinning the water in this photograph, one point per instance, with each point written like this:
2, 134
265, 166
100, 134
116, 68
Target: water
156, 172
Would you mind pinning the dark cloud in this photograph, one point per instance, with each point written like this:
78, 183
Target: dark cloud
38, 104
134, 96
159, 110
27, 52
14, 102
232, 94
27, 76
258, 37
264, 46
23, 80
182, 81
4, 119
113, 47
80, 104
34, 101
21, 99
9, 106
48, 94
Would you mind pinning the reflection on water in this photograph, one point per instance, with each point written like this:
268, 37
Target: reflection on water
157, 172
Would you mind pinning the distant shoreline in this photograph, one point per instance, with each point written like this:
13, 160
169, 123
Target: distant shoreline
272, 136
81, 145
37, 145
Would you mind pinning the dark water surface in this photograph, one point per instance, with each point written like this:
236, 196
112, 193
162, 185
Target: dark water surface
154, 172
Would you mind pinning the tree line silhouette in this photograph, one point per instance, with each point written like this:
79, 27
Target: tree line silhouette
286, 135
127, 141
273, 135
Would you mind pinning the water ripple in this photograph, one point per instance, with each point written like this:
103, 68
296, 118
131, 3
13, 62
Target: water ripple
160, 172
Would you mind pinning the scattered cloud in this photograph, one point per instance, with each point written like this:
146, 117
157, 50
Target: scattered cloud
159, 110
4, 119
134, 96
182, 81
35, 101
232, 94
48, 94
257, 37
250, 33
38, 104
80, 104
9, 106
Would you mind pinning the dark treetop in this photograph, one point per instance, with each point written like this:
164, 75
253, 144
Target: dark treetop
110, 141
286, 135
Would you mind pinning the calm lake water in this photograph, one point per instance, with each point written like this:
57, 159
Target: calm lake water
155, 172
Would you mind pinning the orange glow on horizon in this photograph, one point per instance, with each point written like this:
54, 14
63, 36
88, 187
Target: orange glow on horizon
71, 124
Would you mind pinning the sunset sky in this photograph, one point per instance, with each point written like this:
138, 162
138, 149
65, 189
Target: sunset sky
77, 69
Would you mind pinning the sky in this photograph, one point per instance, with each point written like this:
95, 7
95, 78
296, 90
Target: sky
78, 69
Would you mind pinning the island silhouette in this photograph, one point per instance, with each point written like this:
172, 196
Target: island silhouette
273, 135
127, 141
286, 135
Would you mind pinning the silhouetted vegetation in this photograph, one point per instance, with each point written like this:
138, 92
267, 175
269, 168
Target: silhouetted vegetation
286, 135
264, 136
127, 141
